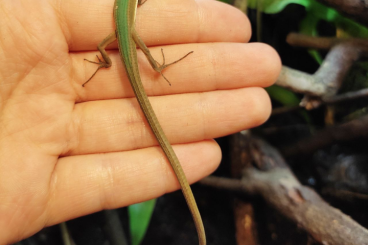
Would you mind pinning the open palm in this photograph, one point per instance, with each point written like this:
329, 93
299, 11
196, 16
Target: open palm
66, 151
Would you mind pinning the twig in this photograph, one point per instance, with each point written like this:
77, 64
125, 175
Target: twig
354, 129
363, 93
284, 109
300, 40
67, 240
324, 43
346, 97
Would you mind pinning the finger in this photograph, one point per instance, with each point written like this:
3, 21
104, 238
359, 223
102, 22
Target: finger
86, 184
158, 22
118, 125
211, 67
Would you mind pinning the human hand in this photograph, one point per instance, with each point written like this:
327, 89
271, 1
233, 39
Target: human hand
67, 151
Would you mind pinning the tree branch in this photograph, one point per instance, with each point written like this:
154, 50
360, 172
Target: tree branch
329, 77
279, 187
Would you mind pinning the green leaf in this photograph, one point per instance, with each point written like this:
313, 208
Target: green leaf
283, 96
139, 217
320, 11
350, 28
314, 11
276, 6
287, 98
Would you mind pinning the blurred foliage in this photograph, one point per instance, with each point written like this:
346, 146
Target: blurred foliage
283, 96
139, 217
315, 12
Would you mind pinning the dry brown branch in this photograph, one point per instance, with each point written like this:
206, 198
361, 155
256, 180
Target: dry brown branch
355, 9
300, 40
355, 129
246, 233
325, 43
279, 187
329, 77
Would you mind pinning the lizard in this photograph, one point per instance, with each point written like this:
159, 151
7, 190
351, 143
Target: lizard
128, 39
